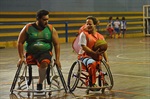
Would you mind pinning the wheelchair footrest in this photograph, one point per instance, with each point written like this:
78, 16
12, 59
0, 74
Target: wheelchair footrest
39, 91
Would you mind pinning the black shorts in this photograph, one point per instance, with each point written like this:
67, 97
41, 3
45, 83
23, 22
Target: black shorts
39, 57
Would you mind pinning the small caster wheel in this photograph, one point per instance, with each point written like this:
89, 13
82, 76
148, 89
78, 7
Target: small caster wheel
28, 94
87, 91
103, 90
70, 91
50, 93
11, 92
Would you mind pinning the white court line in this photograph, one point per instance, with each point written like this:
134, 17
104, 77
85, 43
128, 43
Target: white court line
141, 41
134, 76
131, 76
121, 56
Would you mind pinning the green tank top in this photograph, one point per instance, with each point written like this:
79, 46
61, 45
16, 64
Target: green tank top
38, 41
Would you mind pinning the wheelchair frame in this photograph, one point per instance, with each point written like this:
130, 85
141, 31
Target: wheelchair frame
53, 84
78, 76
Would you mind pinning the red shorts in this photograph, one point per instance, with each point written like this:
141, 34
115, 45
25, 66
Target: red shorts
36, 59
110, 30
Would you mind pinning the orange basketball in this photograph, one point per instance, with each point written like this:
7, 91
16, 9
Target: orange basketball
101, 45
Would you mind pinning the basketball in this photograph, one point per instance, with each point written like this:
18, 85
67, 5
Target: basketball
101, 45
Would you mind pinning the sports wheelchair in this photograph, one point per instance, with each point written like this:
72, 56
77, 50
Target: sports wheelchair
79, 78
24, 78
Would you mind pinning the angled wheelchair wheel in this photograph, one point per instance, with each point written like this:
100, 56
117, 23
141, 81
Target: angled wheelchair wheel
74, 75
16, 78
62, 78
55, 79
108, 78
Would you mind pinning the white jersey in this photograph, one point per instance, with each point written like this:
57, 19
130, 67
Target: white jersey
82, 41
123, 24
116, 24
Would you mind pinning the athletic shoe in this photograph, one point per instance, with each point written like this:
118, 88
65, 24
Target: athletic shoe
39, 86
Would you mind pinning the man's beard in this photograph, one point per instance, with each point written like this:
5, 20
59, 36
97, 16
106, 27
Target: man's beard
42, 26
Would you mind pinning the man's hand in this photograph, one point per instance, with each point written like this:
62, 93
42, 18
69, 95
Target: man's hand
21, 60
57, 62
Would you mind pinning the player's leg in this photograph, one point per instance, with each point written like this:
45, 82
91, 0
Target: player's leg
42, 74
123, 32
44, 60
91, 66
110, 30
115, 31
118, 32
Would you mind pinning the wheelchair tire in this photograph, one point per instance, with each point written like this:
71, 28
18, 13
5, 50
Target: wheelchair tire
109, 75
62, 78
74, 74
16, 78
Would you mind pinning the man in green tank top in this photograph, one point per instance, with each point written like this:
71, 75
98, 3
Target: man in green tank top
39, 37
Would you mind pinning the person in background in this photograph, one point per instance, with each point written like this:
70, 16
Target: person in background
123, 26
40, 37
116, 25
110, 27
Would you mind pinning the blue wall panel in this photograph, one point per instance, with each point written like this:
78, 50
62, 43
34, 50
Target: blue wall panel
73, 5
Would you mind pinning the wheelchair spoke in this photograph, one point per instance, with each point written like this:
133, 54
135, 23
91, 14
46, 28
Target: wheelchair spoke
74, 76
108, 78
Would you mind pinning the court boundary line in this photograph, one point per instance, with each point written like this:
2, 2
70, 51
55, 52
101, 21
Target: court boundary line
131, 76
131, 93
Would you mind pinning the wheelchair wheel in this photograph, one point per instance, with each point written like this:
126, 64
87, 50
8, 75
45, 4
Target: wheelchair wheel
108, 78
74, 75
62, 78
16, 78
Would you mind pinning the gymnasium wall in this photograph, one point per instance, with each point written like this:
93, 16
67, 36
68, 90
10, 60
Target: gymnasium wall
73, 5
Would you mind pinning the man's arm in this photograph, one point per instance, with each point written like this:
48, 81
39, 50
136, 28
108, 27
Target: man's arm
55, 40
20, 42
